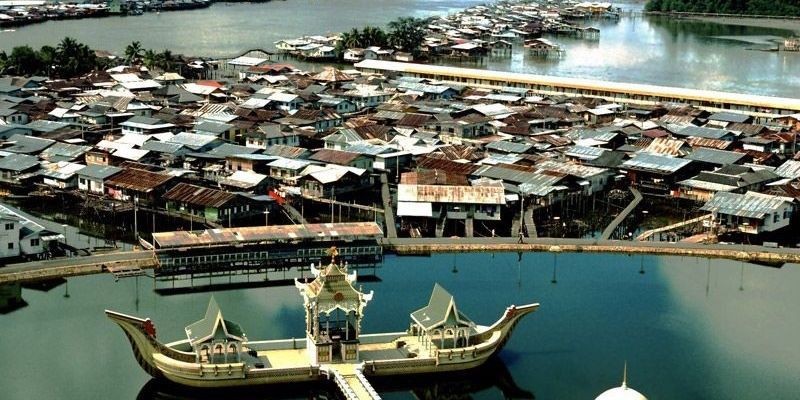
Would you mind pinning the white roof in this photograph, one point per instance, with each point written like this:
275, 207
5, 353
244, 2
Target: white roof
202, 90
247, 61
148, 84
130, 153
248, 177
282, 97
414, 209
109, 145
125, 77
133, 139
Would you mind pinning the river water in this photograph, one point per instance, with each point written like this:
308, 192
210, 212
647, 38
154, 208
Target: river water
688, 328
649, 50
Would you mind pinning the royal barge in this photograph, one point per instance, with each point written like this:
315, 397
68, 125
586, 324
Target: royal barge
217, 353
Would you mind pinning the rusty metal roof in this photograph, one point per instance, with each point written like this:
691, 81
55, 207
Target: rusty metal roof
268, 234
138, 180
452, 194
198, 195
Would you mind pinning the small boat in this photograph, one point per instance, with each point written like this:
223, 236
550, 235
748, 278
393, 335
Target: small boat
217, 352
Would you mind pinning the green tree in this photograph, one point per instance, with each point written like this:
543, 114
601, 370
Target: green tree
133, 52
373, 36
407, 33
48, 56
150, 59
23, 60
165, 60
3, 62
74, 58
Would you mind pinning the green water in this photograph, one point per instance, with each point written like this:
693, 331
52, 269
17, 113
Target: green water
688, 328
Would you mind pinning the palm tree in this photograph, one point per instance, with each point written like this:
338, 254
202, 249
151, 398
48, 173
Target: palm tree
150, 59
167, 59
133, 52
373, 36
48, 55
3, 62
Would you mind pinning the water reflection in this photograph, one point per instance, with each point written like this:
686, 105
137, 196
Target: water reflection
492, 376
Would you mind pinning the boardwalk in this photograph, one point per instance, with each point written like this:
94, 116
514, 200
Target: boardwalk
388, 216
612, 227
65, 267
351, 382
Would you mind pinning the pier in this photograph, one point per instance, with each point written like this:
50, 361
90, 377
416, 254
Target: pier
624, 93
351, 381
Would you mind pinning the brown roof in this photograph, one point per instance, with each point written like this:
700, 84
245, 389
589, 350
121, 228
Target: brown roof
710, 143
446, 165
434, 177
198, 195
413, 120
334, 156
138, 180
331, 74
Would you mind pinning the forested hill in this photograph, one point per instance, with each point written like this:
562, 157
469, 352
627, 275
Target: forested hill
753, 7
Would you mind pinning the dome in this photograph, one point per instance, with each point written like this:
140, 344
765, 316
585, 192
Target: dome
621, 393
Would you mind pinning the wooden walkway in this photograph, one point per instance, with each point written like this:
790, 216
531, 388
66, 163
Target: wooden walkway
126, 263
637, 197
351, 382
646, 234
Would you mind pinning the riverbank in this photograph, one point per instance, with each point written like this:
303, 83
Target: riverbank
773, 23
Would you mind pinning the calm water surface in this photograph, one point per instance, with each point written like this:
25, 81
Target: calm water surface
643, 50
689, 328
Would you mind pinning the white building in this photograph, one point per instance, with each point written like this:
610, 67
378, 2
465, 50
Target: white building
22, 237
751, 212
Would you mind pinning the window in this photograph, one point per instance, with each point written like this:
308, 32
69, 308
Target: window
11, 246
34, 242
9, 226
775, 217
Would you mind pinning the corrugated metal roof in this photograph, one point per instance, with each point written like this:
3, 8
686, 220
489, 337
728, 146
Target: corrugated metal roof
789, 169
655, 163
268, 234
748, 205
138, 180
198, 195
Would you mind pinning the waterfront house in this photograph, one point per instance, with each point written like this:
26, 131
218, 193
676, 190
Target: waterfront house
217, 129
730, 178
12, 116
196, 142
329, 180
133, 184
9, 130
657, 174
211, 205
286, 170
26, 144
92, 178
270, 134
456, 203
64, 152
22, 237
336, 104
17, 171
751, 212
245, 181
366, 96
249, 162
319, 120
61, 175
285, 101
145, 126
343, 158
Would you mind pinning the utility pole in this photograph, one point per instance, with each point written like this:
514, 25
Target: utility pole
521, 212
136, 219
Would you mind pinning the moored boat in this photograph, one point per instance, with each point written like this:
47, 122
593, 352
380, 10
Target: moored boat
217, 352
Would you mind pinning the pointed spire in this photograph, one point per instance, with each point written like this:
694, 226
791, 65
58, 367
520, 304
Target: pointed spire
625, 375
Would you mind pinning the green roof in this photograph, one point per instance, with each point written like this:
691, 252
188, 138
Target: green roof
209, 327
440, 311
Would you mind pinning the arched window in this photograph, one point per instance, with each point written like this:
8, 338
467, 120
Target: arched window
232, 348
219, 349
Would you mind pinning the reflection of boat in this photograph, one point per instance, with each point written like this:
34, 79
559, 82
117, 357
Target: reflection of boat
457, 385
217, 353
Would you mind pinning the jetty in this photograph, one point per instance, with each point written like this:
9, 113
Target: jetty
625, 93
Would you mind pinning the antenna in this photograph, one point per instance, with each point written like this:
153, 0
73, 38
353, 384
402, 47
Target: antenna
625, 375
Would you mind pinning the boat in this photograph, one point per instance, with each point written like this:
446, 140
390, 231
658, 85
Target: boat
217, 353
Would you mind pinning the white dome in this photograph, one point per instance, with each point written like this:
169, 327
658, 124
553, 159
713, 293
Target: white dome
621, 393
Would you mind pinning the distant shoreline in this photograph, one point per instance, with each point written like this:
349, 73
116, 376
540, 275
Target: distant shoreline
777, 23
